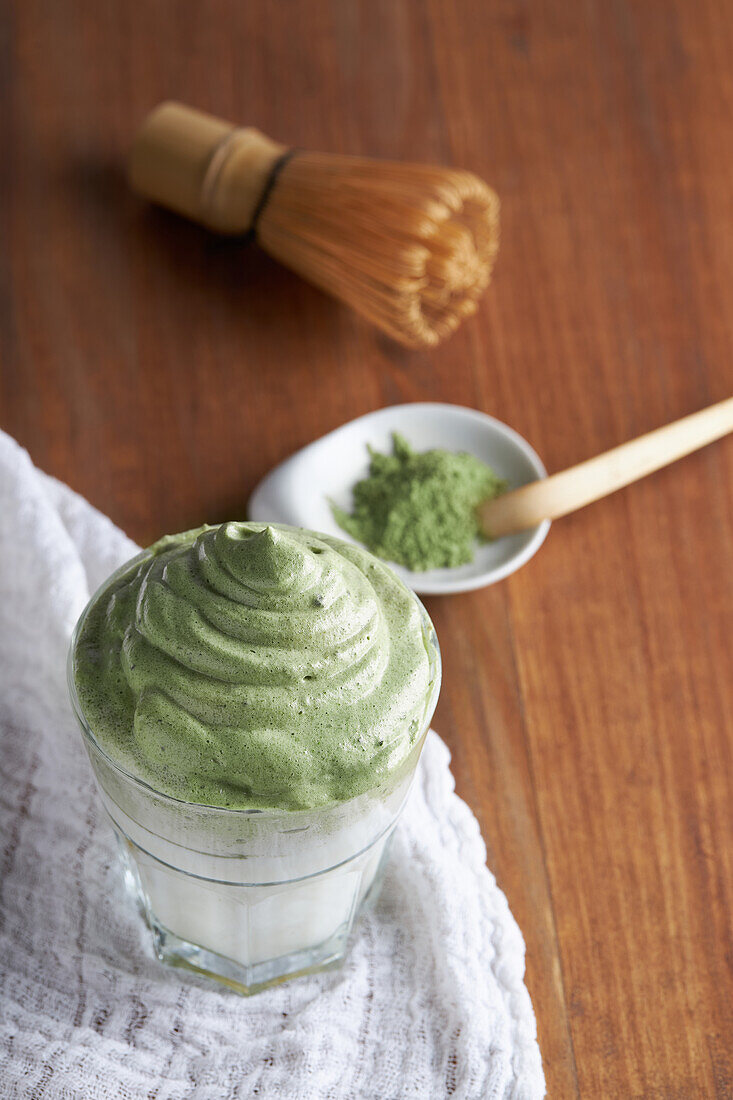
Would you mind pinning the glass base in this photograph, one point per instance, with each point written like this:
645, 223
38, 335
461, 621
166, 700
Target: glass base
238, 910
248, 980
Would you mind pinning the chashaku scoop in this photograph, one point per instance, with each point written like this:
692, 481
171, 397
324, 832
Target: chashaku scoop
408, 246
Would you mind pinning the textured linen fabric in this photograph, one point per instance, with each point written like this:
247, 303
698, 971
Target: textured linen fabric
430, 1003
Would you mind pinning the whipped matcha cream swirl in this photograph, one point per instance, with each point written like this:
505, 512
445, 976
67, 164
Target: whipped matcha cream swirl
245, 666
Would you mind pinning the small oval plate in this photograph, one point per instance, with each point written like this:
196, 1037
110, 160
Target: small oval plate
298, 490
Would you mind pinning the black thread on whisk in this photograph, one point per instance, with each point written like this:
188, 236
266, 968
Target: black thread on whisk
267, 190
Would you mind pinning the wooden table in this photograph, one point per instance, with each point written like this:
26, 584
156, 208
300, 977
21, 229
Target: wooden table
588, 700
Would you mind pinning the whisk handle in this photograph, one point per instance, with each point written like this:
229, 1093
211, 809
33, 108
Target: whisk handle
202, 167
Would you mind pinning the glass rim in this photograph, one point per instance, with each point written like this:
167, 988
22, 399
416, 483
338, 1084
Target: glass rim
432, 648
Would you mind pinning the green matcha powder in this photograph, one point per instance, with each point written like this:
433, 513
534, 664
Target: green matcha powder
418, 508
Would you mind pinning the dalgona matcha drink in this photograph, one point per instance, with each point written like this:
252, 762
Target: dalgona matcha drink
254, 701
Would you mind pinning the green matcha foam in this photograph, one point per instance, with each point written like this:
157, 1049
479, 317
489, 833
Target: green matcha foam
254, 667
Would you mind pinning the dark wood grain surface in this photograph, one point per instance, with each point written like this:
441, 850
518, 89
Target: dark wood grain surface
588, 700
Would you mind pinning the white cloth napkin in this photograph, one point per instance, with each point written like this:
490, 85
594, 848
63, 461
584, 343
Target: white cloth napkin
430, 1003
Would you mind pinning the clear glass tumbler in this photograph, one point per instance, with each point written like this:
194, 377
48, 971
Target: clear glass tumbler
252, 897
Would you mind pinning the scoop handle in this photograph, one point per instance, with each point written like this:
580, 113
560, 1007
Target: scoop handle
597, 477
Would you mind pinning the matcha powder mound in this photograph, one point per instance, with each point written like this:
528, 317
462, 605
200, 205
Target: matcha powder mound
418, 508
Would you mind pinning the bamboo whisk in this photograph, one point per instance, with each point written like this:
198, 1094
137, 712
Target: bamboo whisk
408, 246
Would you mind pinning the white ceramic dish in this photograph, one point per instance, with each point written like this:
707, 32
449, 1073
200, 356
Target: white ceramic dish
298, 490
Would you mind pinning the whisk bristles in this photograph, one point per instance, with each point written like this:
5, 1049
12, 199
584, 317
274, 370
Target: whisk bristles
410, 247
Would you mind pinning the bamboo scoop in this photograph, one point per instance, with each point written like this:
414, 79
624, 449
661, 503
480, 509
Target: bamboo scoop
410, 247
597, 477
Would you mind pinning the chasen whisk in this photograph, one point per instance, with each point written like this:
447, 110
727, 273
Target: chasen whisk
408, 246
